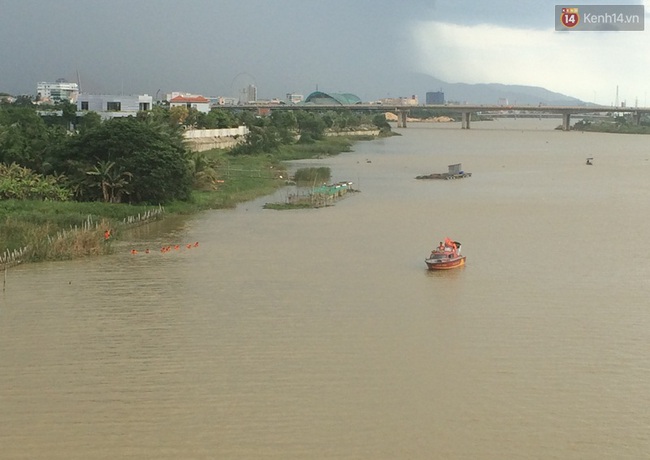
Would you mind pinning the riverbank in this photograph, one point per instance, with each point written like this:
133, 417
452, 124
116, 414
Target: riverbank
611, 126
34, 231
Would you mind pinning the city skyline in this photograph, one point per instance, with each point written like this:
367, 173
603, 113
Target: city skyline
369, 48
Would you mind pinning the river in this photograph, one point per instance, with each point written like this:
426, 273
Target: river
320, 334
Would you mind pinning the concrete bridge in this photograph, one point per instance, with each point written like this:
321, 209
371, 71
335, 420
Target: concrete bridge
465, 111
564, 111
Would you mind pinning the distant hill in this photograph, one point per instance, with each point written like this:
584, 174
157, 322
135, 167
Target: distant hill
481, 93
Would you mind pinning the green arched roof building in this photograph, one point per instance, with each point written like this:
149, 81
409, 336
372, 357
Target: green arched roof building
320, 98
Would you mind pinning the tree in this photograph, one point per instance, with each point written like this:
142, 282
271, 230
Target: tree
260, 139
112, 181
194, 118
25, 139
68, 114
178, 114
380, 122
23, 101
219, 119
90, 120
310, 125
286, 125
160, 174
204, 171
159, 114
153, 153
246, 118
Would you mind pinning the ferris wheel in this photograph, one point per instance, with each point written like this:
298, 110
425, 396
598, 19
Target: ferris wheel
241, 87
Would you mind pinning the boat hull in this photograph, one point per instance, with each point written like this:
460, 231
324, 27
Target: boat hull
445, 264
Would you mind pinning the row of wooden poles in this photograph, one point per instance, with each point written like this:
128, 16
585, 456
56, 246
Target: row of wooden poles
145, 217
12, 256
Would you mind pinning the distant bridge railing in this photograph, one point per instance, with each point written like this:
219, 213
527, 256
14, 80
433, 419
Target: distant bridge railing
446, 107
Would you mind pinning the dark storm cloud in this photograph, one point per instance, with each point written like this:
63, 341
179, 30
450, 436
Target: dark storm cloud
204, 45
213, 46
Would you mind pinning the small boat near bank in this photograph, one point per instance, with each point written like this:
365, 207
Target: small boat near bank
446, 256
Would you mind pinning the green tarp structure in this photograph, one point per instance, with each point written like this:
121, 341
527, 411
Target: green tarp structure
330, 189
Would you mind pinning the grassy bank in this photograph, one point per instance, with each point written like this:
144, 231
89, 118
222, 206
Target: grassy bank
67, 230
611, 126
327, 147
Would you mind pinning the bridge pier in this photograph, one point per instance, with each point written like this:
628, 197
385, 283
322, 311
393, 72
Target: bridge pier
464, 119
401, 118
566, 121
637, 118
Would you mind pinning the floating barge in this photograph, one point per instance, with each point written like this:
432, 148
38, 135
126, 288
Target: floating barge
455, 172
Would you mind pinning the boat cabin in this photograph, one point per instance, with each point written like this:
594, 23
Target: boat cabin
447, 250
442, 255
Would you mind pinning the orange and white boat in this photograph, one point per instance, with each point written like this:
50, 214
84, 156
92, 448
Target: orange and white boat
446, 256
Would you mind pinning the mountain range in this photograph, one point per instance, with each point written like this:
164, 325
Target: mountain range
482, 93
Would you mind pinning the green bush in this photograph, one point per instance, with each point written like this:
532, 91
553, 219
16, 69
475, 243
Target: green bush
21, 183
308, 176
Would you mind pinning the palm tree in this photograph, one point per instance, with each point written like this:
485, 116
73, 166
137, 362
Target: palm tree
204, 170
118, 182
112, 182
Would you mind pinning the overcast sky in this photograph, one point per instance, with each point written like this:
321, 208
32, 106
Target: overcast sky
216, 47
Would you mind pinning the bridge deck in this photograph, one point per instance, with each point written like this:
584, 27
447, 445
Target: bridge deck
448, 107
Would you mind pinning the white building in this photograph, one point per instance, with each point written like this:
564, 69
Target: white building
413, 100
58, 91
200, 103
108, 106
294, 98
222, 100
